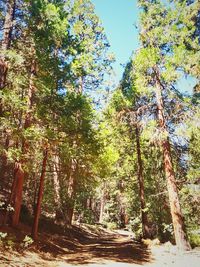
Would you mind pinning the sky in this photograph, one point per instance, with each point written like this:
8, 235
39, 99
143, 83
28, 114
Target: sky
118, 19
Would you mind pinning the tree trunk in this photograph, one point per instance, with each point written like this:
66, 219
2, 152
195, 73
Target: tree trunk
122, 212
6, 40
102, 205
177, 217
19, 172
9, 203
56, 182
40, 196
71, 191
4, 163
35, 188
145, 226
31, 93
121, 204
19, 180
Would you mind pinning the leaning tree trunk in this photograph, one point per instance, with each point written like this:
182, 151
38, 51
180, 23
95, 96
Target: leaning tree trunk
40, 196
6, 40
177, 217
145, 226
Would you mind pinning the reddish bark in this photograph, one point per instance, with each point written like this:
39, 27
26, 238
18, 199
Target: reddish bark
145, 226
176, 213
70, 213
6, 40
40, 196
4, 159
19, 172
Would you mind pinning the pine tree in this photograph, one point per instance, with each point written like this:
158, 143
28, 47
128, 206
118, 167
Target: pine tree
6, 40
156, 64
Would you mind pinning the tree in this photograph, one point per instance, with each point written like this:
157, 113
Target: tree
6, 40
157, 65
40, 195
45, 97
134, 102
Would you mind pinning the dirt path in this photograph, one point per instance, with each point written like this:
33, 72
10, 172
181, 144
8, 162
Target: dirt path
104, 251
110, 250
97, 251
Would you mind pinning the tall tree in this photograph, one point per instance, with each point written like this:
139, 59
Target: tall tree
6, 40
135, 102
40, 195
157, 65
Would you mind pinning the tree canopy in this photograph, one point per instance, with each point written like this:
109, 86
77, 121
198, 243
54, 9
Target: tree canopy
63, 158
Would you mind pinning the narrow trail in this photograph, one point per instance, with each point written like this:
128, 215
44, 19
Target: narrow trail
104, 250
101, 251
112, 249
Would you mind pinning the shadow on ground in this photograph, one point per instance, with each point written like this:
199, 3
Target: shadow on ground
79, 248
72, 246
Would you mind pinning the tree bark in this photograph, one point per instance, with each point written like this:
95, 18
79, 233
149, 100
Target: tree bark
6, 40
176, 213
9, 203
4, 163
71, 191
19, 180
31, 92
35, 188
19, 172
123, 217
102, 205
145, 226
56, 182
40, 196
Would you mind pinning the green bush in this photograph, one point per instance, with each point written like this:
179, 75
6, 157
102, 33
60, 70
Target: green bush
7, 241
27, 241
111, 225
194, 240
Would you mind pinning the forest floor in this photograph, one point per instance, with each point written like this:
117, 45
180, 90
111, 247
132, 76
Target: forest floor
93, 247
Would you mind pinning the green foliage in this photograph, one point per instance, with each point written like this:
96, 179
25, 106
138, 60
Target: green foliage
27, 241
194, 240
2, 235
7, 241
56, 63
111, 226
136, 227
57, 55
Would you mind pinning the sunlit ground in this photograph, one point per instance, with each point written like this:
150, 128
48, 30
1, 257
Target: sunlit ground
110, 252
84, 247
